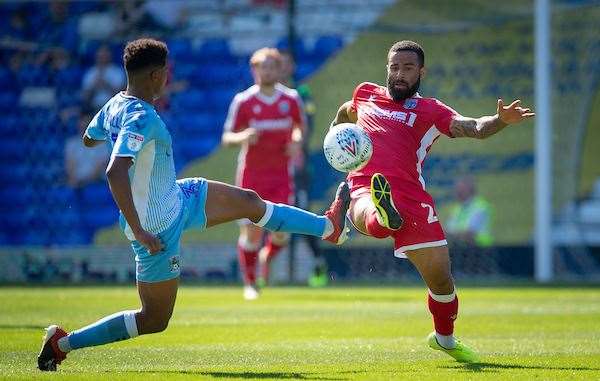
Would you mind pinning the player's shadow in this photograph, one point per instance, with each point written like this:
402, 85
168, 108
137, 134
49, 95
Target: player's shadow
275, 375
22, 326
245, 375
496, 367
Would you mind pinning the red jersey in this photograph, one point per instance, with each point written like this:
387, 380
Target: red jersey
402, 133
273, 117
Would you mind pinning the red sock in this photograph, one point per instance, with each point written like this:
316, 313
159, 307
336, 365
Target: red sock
247, 259
373, 226
444, 314
271, 251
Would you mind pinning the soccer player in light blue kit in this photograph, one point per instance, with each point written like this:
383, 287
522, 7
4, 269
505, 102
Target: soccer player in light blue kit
156, 208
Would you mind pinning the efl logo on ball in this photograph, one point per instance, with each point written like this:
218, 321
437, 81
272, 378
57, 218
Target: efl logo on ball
347, 147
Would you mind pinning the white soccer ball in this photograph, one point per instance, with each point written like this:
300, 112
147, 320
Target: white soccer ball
347, 147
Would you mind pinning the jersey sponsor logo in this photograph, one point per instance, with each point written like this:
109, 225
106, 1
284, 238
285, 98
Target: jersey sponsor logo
271, 124
284, 107
134, 141
410, 104
407, 118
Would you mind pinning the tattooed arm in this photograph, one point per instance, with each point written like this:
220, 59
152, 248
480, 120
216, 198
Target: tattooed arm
486, 126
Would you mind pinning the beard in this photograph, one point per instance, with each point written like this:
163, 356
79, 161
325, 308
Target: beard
400, 95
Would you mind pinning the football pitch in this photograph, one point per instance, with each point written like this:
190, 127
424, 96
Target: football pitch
350, 333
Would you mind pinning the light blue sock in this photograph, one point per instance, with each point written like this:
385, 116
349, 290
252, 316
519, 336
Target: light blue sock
115, 327
289, 219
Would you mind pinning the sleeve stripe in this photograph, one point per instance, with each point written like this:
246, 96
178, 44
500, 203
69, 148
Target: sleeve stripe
232, 114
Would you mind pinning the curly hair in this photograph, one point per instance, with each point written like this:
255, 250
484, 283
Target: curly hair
410, 46
144, 53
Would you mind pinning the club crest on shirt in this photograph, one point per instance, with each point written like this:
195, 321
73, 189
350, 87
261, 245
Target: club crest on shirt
284, 107
256, 109
410, 103
134, 141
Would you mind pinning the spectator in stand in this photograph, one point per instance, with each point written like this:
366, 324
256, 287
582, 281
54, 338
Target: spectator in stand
102, 80
84, 165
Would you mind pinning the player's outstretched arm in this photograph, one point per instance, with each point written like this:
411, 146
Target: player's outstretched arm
486, 126
117, 174
345, 114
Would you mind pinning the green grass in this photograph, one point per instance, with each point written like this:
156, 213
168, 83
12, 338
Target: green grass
326, 334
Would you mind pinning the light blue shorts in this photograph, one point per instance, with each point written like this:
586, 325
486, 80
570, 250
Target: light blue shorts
166, 264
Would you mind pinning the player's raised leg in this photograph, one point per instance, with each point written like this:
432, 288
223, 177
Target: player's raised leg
158, 300
228, 203
374, 213
433, 263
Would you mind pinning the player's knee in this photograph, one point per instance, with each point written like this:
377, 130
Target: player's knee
251, 204
158, 324
153, 322
251, 197
441, 285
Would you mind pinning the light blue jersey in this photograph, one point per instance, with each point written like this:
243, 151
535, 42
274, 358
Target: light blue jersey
135, 130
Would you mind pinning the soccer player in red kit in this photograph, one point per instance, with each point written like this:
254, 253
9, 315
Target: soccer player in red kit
267, 121
389, 198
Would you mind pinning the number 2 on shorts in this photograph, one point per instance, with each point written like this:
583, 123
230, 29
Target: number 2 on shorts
431, 218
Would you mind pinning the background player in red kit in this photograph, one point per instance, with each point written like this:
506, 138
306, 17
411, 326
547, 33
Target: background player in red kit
403, 126
267, 121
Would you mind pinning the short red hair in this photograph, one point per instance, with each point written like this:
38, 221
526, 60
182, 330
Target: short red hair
262, 54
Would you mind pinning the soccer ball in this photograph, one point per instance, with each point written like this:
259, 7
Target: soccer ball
347, 147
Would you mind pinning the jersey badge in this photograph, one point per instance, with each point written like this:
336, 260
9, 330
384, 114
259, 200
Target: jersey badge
134, 141
410, 103
284, 107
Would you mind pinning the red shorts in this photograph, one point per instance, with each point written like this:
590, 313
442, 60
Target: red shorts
277, 188
421, 228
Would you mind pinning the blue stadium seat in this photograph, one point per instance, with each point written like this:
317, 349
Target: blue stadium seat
327, 45
200, 122
61, 197
215, 49
96, 195
198, 148
305, 70
11, 149
8, 100
180, 48
216, 75
14, 196
300, 51
191, 100
183, 70
99, 217
69, 77
220, 100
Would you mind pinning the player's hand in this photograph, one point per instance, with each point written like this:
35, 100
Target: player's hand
513, 113
250, 136
150, 241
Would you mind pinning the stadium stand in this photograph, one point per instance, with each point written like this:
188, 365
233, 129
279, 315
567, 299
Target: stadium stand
48, 48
